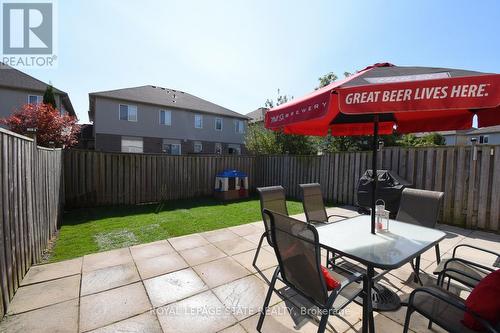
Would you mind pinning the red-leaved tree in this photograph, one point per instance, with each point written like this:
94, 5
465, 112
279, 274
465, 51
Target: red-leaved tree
53, 129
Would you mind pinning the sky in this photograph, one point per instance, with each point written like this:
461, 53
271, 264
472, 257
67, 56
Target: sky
239, 53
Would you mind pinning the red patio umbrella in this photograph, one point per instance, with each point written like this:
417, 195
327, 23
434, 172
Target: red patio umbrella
382, 98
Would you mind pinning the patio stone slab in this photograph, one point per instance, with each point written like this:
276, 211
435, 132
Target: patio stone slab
234, 329
219, 235
202, 254
245, 229
111, 306
235, 245
187, 242
221, 271
244, 297
168, 288
265, 259
164, 264
108, 277
255, 238
151, 250
58, 318
43, 294
202, 313
95, 261
56, 270
143, 323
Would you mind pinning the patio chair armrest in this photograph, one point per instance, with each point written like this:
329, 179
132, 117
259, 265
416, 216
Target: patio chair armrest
454, 303
475, 248
467, 262
336, 215
445, 272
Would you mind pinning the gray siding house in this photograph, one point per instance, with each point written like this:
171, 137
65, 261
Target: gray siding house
485, 135
153, 119
18, 88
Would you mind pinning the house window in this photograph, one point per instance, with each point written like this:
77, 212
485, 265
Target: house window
218, 124
239, 126
198, 147
35, 99
132, 144
218, 148
165, 117
234, 149
198, 121
128, 112
483, 139
172, 148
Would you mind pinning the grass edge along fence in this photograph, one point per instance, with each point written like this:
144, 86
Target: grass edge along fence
31, 188
467, 178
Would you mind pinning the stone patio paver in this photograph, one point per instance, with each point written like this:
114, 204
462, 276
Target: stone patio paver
220, 271
171, 287
235, 245
42, 294
187, 242
143, 323
57, 318
151, 250
95, 261
202, 313
164, 264
212, 269
202, 254
108, 277
113, 305
40, 273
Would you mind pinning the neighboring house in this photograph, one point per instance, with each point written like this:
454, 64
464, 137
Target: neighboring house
18, 88
86, 137
153, 119
486, 135
257, 116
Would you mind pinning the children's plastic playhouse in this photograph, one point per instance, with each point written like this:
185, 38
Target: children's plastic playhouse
231, 185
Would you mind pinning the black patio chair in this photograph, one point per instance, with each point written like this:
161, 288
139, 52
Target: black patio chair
460, 269
315, 211
420, 207
314, 207
297, 249
443, 308
272, 198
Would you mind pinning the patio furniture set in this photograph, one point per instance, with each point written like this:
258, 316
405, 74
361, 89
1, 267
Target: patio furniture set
298, 247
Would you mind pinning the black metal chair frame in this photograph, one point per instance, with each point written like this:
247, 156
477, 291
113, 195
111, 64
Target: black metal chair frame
459, 305
309, 220
325, 309
443, 274
267, 233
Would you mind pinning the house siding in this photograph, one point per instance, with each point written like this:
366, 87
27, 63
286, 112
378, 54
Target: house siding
147, 126
13, 99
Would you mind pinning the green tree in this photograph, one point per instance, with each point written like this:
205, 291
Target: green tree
428, 140
49, 97
260, 140
326, 80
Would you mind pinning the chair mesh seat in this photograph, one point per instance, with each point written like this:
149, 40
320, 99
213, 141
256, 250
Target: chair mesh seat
443, 314
462, 267
314, 206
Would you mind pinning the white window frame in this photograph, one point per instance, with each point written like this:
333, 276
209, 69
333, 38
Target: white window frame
128, 112
482, 139
169, 117
39, 99
132, 138
177, 145
221, 124
200, 144
196, 116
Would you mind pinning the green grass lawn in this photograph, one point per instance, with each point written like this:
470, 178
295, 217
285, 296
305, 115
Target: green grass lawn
98, 229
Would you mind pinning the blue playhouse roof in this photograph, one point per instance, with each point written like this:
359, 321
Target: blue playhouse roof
231, 174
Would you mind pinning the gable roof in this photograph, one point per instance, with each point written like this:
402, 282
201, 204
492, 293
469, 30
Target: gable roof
164, 97
257, 115
15, 79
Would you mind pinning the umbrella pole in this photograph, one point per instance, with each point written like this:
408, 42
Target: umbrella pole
374, 169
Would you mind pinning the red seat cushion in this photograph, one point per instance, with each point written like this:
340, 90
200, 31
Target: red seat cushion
331, 283
484, 300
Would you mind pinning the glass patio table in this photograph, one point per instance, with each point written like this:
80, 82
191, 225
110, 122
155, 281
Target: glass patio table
385, 250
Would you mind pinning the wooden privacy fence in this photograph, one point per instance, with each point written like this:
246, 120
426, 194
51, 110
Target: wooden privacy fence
468, 179
31, 192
